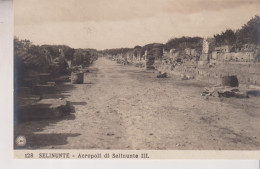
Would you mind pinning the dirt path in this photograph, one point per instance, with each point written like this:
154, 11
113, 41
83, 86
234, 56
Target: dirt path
124, 107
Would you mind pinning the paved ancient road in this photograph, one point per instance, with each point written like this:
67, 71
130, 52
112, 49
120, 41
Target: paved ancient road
125, 107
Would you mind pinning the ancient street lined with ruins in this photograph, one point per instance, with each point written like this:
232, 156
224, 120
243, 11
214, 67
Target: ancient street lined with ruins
127, 107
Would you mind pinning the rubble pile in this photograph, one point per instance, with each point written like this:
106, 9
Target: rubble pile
162, 75
223, 92
186, 77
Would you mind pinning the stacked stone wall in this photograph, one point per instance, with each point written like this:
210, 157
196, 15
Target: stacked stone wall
247, 73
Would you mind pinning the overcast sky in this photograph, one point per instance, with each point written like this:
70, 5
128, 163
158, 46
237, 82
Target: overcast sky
105, 24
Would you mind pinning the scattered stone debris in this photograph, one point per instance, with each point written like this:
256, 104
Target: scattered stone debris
162, 75
110, 134
223, 92
190, 77
186, 77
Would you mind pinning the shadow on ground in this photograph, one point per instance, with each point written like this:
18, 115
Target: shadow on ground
33, 129
62, 91
35, 138
78, 103
255, 93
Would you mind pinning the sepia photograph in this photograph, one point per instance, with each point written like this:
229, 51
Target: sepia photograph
136, 75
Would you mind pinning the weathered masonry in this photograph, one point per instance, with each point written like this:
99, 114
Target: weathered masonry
208, 64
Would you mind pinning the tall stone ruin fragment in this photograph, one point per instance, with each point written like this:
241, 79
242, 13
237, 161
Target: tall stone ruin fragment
204, 58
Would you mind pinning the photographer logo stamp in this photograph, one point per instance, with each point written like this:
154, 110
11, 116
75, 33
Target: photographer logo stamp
20, 141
